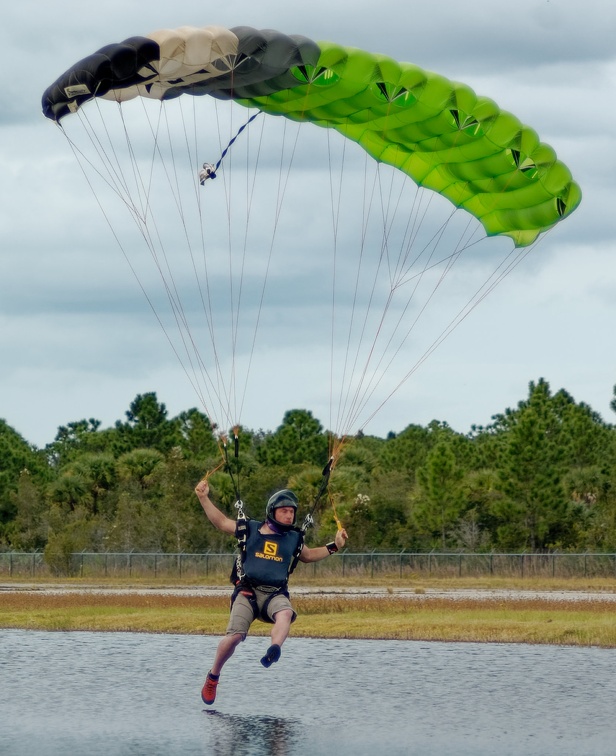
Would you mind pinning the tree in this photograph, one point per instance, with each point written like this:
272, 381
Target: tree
75, 439
138, 467
16, 455
441, 504
531, 470
28, 531
147, 426
183, 524
300, 439
197, 435
407, 451
100, 473
68, 533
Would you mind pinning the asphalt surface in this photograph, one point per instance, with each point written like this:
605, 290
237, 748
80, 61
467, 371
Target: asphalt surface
426, 594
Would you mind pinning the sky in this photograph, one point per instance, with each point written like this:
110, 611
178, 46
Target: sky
78, 338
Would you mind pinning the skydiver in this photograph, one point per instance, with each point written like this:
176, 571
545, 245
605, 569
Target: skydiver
261, 587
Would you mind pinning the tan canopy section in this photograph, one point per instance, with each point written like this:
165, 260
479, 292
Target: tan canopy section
186, 55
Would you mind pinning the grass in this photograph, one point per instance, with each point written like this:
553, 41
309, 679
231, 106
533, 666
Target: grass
412, 616
412, 582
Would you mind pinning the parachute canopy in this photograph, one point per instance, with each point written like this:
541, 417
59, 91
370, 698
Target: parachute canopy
440, 133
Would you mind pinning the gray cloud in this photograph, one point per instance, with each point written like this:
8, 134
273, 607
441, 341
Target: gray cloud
77, 336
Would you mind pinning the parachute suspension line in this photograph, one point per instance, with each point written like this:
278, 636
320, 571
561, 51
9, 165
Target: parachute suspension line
219, 387
209, 171
335, 218
237, 262
388, 219
225, 464
519, 255
369, 389
250, 191
190, 348
123, 191
226, 388
283, 181
235, 482
353, 393
367, 383
146, 223
347, 386
360, 338
371, 386
205, 298
351, 399
235, 273
129, 262
251, 183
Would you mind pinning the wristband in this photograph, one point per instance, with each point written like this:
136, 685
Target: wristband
331, 547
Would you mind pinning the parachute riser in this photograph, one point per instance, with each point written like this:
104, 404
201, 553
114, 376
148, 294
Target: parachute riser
235, 483
325, 475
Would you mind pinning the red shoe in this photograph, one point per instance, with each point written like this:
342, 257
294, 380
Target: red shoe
208, 692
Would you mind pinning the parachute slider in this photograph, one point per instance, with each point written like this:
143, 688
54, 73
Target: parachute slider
207, 172
308, 522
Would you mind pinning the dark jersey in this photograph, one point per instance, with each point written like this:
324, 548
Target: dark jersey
268, 557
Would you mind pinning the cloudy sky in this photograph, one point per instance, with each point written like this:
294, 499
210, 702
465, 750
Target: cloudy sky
78, 338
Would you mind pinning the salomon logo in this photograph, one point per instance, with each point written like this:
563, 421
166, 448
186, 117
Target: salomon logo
270, 551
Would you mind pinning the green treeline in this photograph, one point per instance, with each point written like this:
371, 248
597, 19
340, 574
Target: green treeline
541, 476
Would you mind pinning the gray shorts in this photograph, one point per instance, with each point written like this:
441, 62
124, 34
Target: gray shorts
242, 615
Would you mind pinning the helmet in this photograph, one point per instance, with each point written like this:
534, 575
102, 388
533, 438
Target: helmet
284, 498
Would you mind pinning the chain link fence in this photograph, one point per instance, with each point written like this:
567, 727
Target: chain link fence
345, 564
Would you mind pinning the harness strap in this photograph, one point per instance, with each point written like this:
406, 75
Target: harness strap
245, 589
298, 550
237, 572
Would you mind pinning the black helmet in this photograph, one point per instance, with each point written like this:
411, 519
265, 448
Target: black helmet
284, 498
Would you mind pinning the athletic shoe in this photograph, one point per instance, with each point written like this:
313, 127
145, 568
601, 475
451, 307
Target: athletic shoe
208, 692
272, 655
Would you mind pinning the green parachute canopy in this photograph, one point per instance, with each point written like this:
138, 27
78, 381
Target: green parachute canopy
440, 133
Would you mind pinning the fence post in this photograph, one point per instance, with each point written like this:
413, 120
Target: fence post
400, 561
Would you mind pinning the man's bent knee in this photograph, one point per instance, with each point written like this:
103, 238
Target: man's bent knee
284, 615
